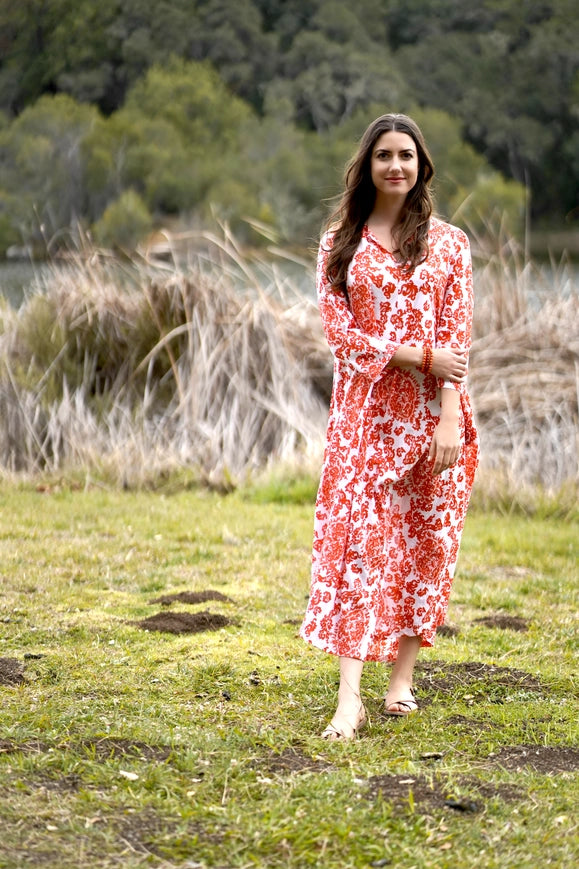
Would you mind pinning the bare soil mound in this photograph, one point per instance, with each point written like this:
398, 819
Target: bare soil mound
33, 746
291, 760
447, 630
184, 623
191, 597
545, 759
504, 623
445, 678
11, 671
427, 794
416, 790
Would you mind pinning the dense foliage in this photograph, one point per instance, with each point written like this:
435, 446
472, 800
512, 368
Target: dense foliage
250, 107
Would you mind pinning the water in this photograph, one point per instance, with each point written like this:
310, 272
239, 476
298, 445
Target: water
19, 279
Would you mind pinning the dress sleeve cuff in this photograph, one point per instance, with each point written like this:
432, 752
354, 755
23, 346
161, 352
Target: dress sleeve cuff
447, 384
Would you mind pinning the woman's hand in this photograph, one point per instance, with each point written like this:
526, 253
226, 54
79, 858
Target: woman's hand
449, 364
445, 446
446, 440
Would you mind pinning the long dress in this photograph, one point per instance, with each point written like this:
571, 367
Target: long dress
386, 530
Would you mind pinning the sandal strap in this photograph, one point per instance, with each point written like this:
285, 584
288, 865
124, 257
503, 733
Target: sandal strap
332, 730
408, 703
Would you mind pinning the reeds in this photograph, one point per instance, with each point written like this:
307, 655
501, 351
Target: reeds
204, 368
221, 367
524, 373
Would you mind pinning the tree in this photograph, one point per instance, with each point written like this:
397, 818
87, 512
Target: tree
56, 45
231, 37
41, 165
124, 223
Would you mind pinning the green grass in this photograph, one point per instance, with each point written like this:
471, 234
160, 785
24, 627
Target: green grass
125, 748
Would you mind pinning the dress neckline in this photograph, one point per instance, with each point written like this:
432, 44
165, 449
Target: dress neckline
370, 235
368, 232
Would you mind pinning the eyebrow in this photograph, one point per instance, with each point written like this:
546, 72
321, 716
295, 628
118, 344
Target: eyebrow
400, 150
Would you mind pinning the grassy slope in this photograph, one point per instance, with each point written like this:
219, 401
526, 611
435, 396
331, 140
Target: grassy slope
238, 705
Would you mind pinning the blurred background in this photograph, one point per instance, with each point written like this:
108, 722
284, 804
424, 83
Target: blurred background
167, 154
120, 117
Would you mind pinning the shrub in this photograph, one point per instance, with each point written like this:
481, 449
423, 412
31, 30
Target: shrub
124, 222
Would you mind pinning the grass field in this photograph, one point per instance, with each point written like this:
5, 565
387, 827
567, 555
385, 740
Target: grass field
125, 747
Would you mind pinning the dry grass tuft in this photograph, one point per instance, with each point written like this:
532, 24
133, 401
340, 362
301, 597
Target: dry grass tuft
524, 375
204, 368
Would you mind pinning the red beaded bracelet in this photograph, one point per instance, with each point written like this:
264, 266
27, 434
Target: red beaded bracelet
427, 359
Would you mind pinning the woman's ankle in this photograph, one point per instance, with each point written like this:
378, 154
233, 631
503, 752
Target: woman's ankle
349, 699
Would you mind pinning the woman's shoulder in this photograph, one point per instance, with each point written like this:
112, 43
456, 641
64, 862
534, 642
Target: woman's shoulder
327, 239
439, 230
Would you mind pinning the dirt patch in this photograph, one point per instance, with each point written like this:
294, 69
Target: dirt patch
147, 833
110, 746
490, 790
11, 671
542, 758
103, 749
415, 790
184, 623
447, 630
467, 796
290, 760
192, 597
7, 746
481, 679
139, 831
504, 623
461, 722
68, 783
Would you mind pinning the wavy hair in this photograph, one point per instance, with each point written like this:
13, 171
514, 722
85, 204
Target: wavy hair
357, 201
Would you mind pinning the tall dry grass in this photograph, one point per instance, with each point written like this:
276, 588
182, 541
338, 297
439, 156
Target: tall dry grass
221, 367
524, 372
206, 367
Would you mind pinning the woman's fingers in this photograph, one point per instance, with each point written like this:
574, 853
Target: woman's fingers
442, 463
459, 365
450, 364
444, 448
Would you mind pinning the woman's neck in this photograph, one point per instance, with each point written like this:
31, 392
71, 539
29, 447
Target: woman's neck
383, 219
387, 211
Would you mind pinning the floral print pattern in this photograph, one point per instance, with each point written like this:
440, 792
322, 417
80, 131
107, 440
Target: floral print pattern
386, 531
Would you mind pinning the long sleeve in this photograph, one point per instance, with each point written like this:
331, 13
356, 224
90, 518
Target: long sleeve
348, 343
454, 324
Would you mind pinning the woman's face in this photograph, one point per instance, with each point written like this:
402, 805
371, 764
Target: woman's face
394, 164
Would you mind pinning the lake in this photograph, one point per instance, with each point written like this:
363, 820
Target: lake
17, 279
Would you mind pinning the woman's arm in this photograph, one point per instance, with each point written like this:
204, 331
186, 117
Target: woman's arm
446, 439
448, 364
454, 322
363, 352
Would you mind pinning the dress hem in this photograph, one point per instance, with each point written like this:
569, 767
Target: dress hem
387, 658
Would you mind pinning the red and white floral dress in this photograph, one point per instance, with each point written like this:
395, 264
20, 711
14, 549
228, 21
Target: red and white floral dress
386, 531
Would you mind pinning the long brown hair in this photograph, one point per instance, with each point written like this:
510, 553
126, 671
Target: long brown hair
357, 201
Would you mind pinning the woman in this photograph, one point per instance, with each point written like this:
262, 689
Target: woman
395, 296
